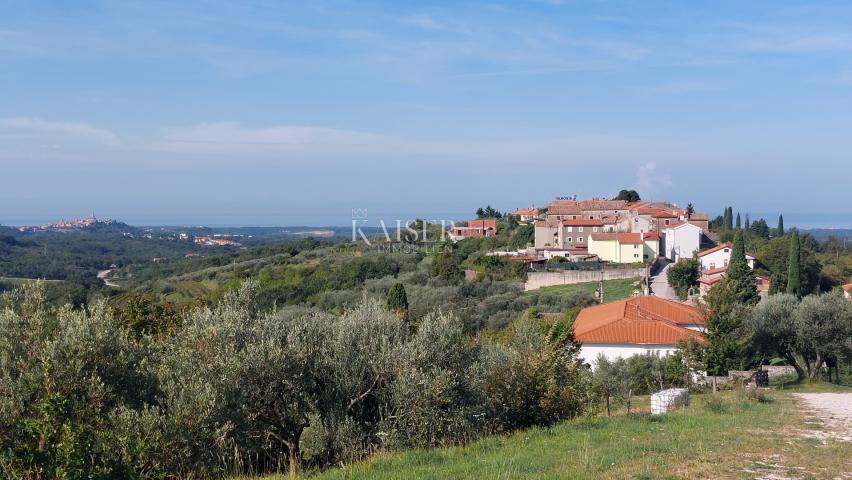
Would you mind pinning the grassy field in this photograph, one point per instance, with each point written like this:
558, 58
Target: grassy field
613, 289
736, 438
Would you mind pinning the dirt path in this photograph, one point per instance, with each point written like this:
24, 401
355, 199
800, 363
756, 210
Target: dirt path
831, 413
103, 274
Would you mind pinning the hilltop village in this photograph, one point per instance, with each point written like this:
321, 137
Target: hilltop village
607, 236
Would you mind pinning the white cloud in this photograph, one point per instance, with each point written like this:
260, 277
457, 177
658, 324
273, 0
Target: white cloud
298, 143
648, 180
79, 130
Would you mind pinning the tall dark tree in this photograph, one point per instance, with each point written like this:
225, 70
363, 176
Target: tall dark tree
794, 267
747, 222
397, 299
780, 230
728, 302
739, 223
728, 220
690, 209
739, 275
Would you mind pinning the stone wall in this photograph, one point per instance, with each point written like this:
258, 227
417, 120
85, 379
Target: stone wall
537, 280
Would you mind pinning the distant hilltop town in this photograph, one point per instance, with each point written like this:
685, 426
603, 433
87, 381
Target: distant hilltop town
66, 225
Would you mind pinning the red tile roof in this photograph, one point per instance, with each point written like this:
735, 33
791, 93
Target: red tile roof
663, 214
699, 216
526, 211
638, 320
629, 238
847, 287
564, 207
714, 271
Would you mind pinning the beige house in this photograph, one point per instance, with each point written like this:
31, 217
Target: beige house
566, 234
625, 247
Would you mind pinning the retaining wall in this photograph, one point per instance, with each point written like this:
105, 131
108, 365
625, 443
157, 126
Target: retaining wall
545, 279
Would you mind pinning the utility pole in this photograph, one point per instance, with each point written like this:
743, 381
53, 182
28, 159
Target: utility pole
599, 292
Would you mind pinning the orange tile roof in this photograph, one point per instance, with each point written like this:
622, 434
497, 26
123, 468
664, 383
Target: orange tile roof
526, 211
628, 238
699, 216
638, 320
714, 271
847, 287
564, 207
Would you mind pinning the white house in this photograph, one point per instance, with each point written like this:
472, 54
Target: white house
637, 325
682, 240
847, 291
719, 257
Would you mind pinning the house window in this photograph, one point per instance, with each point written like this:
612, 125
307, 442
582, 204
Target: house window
595, 229
667, 222
579, 239
570, 239
726, 263
580, 229
727, 250
569, 229
712, 266
635, 255
635, 246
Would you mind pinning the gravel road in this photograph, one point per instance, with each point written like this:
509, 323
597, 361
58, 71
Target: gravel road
833, 411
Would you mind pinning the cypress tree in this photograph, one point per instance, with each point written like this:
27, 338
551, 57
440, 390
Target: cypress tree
728, 302
747, 222
794, 269
739, 276
726, 219
739, 223
780, 231
397, 300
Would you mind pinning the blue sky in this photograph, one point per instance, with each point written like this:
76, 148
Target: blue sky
285, 113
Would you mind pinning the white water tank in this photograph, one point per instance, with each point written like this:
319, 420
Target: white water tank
670, 399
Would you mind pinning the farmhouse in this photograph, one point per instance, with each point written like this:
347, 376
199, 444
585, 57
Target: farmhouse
625, 247
526, 215
637, 325
719, 256
474, 229
709, 278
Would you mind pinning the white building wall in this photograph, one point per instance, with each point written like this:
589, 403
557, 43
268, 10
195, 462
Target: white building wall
681, 242
721, 258
612, 351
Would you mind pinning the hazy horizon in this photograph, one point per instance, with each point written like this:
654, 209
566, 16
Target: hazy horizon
792, 219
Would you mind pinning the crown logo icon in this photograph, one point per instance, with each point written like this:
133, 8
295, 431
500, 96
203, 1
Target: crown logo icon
359, 213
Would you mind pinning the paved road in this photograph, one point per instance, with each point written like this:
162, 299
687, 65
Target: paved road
660, 283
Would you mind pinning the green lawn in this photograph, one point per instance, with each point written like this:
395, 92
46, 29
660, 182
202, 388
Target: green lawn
613, 289
743, 439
